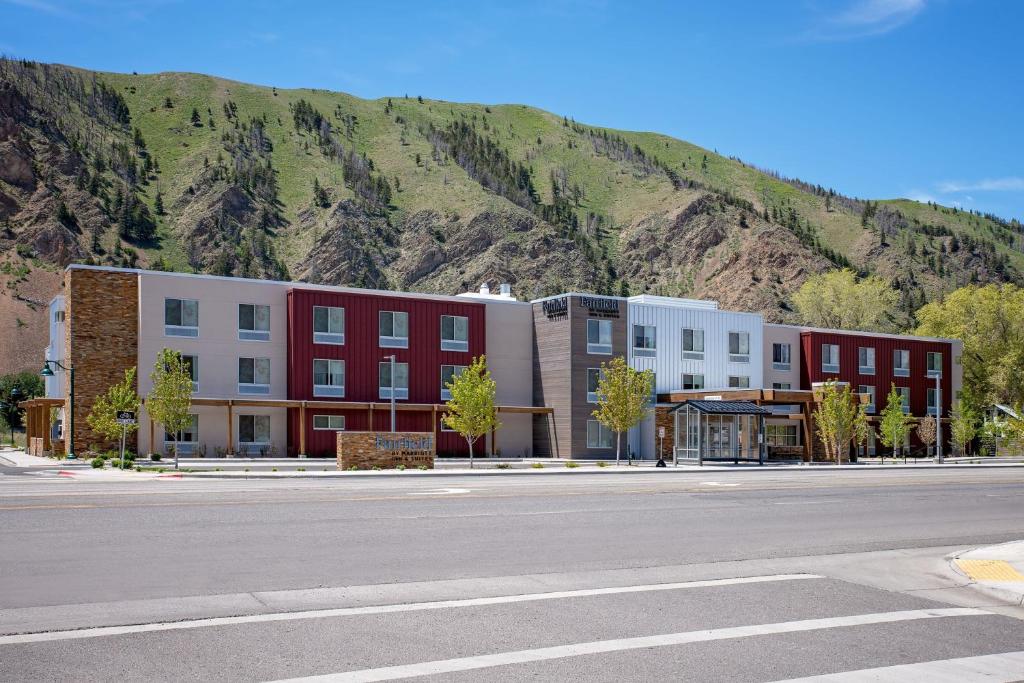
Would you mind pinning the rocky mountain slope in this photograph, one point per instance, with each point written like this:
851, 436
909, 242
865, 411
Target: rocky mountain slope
192, 172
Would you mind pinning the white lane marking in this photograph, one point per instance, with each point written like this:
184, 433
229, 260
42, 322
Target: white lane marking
389, 673
385, 609
1002, 668
438, 492
716, 483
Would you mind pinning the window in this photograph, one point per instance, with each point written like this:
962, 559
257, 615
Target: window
254, 375
593, 378
934, 364
830, 358
739, 347
328, 325
901, 363
448, 375
253, 322
394, 329
644, 342
905, 393
187, 440
329, 378
691, 382
445, 427
866, 360
181, 318
693, 344
781, 357
400, 385
782, 435
870, 391
598, 436
739, 382
58, 316
782, 386
933, 405
192, 364
254, 429
332, 423
599, 337
454, 333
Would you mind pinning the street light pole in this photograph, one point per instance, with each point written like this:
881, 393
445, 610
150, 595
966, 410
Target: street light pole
391, 358
938, 420
47, 371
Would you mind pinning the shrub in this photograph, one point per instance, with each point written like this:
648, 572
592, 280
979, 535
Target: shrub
602, 463
115, 463
96, 463
353, 468
376, 468
423, 467
273, 469
537, 465
504, 466
572, 464
129, 457
400, 467
301, 469
155, 457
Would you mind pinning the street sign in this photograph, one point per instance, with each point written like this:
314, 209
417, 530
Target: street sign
661, 432
125, 417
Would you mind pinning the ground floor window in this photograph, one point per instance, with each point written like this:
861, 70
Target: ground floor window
254, 429
598, 436
782, 434
187, 440
334, 423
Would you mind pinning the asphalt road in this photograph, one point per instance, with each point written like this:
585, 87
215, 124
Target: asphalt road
746, 575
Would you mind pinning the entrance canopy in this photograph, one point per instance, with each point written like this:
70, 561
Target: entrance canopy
722, 431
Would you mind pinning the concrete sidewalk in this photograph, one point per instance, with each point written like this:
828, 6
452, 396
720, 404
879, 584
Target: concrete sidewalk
16, 457
997, 570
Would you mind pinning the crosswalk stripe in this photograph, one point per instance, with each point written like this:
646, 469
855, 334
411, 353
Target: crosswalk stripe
389, 673
1002, 668
386, 609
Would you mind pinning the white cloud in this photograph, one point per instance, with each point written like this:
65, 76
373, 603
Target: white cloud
921, 196
1008, 184
864, 18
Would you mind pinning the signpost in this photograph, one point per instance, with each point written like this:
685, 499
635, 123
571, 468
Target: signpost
124, 418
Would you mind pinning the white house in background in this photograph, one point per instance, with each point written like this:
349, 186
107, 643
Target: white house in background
691, 344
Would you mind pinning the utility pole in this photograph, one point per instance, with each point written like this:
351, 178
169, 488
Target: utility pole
938, 417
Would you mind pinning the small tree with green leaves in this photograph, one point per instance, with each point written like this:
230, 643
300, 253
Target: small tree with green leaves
895, 425
963, 426
927, 431
623, 398
119, 397
470, 411
862, 429
835, 417
170, 399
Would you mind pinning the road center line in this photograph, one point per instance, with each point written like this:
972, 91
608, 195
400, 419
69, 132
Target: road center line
442, 666
1002, 668
384, 609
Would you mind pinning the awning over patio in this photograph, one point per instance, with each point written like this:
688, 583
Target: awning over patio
724, 407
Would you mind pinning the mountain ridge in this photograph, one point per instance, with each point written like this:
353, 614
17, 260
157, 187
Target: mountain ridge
194, 172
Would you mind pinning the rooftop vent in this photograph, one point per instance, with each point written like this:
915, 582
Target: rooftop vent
505, 289
485, 289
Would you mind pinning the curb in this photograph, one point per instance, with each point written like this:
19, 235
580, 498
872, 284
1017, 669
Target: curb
552, 471
1011, 597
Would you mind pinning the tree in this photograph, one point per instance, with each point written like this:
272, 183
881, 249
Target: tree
623, 398
170, 399
990, 322
470, 411
320, 196
862, 429
158, 204
838, 300
895, 425
17, 387
963, 426
835, 418
927, 431
119, 397
196, 121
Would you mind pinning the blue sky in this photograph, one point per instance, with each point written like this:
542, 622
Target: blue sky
876, 98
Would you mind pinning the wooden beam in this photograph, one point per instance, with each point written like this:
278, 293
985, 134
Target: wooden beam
806, 422
302, 430
44, 414
231, 432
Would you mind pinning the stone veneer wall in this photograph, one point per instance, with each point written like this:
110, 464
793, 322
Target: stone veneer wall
663, 418
359, 450
101, 337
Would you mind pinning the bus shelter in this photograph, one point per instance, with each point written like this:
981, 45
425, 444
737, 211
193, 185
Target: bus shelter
719, 431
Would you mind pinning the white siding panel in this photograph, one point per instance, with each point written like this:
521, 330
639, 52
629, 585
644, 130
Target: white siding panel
668, 363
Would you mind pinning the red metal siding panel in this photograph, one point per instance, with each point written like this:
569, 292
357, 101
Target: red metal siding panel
362, 353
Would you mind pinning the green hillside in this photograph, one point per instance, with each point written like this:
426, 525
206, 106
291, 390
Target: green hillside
435, 196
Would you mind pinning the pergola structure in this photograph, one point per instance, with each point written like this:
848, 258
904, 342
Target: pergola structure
37, 424
722, 431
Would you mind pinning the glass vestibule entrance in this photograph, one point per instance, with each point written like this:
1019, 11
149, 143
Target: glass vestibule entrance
730, 431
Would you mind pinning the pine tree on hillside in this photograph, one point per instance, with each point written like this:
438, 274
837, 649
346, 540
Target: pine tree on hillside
196, 121
158, 204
